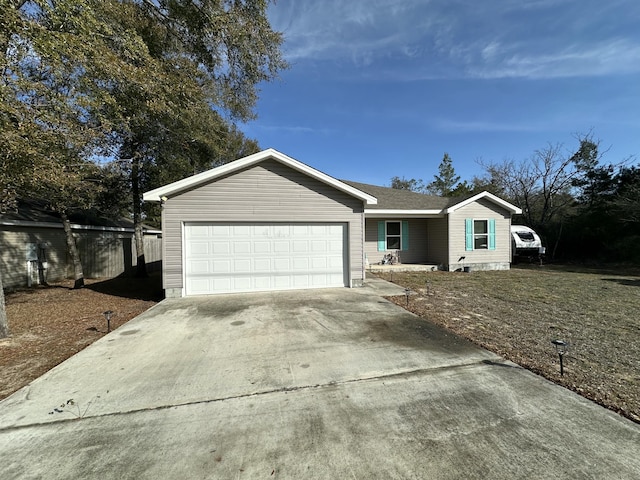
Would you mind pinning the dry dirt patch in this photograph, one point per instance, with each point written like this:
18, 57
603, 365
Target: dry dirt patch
517, 313
50, 324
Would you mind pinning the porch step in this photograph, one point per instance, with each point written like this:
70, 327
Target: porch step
402, 267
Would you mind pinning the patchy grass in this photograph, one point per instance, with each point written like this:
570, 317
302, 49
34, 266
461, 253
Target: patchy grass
517, 313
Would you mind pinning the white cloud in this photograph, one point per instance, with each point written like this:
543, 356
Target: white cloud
338, 29
479, 126
616, 56
417, 39
292, 129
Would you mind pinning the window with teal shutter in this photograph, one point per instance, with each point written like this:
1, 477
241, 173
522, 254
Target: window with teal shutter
468, 230
381, 236
405, 235
492, 234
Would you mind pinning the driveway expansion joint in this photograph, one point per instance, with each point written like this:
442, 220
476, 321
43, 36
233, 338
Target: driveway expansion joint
406, 373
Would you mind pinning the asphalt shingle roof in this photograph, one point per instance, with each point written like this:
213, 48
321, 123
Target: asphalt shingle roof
394, 199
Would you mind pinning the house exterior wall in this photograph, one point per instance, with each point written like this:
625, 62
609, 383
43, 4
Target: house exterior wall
498, 259
265, 192
418, 251
438, 241
104, 254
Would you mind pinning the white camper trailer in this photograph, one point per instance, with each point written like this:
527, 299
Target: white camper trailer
525, 243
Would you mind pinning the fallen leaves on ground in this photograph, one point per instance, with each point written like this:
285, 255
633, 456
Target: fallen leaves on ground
49, 324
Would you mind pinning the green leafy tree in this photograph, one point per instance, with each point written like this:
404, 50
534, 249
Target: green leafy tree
143, 81
444, 184
204, 59
53, 100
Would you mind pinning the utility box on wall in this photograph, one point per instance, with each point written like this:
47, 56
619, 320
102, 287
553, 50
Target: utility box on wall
32, 252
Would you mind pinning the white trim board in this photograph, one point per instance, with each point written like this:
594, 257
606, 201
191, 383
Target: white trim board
160, 194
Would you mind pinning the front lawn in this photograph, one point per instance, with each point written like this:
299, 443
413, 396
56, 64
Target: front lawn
518, 313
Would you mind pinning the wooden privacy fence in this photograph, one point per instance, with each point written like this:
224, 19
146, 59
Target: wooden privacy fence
33, 254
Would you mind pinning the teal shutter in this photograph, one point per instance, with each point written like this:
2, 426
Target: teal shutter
405, 235
468, 231
492, 234
381, 237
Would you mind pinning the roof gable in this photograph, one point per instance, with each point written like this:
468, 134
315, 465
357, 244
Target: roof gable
488, 196
159, 194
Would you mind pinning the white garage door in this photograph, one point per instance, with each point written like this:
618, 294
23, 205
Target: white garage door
223, 258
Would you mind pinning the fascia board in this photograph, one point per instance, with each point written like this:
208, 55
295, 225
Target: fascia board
74, 226
382, 213
195, 180
503, 203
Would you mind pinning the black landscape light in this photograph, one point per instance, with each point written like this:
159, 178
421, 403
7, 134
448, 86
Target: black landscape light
561, 349
407, 292
107, 315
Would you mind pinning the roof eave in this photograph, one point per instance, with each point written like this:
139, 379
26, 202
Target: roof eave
503, 203
391, 213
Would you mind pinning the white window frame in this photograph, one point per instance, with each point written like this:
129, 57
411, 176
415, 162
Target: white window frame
477, 236
387, 236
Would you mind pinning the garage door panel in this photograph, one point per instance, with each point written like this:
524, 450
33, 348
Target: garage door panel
242, 265
222, 248
200, 231
280, 246
318, 246
220, 266
300, 246
335, 246
242, 283
301, 281
221, 284
199, 248
318, 263
282, 282
200, 267
301, 264
241, 247
198, 286
333, 263
262, 265
241, 231
220, 231
261, 247
281, 264
244, 257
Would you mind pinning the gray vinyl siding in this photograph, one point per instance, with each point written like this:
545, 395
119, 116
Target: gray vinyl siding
266, 192
104, 254
418, 251
482, 209
13, 254
438, 242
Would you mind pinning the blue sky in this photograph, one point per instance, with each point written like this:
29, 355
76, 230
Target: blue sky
384, 88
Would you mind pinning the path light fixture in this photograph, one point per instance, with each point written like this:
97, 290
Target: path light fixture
561, 349
407, 292
107, 315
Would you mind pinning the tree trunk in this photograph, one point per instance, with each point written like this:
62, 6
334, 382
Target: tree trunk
78, 275
555, 247
4, 324
141, 266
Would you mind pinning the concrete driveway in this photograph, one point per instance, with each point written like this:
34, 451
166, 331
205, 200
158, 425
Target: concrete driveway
331, 383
